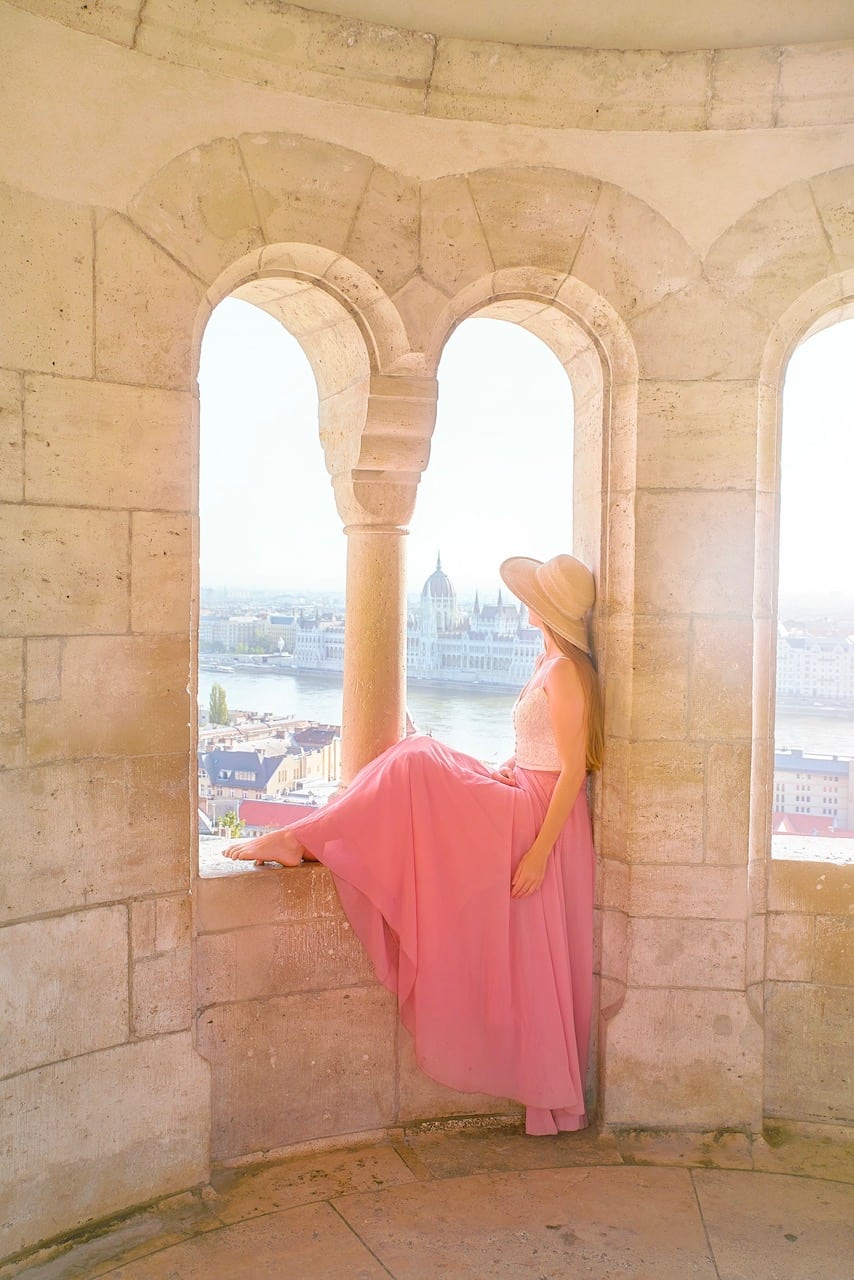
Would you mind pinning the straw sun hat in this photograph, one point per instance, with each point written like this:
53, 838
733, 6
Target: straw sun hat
560, 591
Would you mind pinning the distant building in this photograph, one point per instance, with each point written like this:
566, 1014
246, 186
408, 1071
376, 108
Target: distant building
813, 788
815, 668
309, 755
230, 633
491, 645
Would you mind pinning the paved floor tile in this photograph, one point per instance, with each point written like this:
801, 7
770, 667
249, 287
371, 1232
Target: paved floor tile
308, 1243
244, 1193
710, 1150
765, 1226
826, 1152
588, 1224
449, 1155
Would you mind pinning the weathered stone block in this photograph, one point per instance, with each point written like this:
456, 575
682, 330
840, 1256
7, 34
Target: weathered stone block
694, 551
11, 438
744, 83
727, 802
453, 249
815, 889
207, 223
294, 50
44, 665
303, 1066
687, 953
807, 1041
105, 445
53, 585
563, 88
161, 572
709, 893
789, 947
114, 20
11, 689
834, 951
162, 993
832, 194
384, 235
721, 678
305, 190
608, 259
93, 832
696, 435
665, 802
275, 960
122, 1153
160, 924
264, 895
699, 334
423, 1099
421, 305
686, 1059
545, 209
64, 984
660, 677
774, 253
146, 310
137, 684
815, 85
615, 944
46, 285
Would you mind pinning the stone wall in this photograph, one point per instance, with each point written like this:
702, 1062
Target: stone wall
809, 1002
302, 1040
671, 228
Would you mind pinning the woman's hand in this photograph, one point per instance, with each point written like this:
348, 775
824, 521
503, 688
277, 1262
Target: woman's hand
506, 773
530, 873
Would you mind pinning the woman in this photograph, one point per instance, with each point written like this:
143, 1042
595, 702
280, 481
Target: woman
471, 889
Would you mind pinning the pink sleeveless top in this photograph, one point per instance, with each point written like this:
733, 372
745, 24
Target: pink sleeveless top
535, 744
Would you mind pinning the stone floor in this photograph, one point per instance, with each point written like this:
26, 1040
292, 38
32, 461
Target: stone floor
491, 1204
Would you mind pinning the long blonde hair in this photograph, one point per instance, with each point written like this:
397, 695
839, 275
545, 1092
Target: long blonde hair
586, 668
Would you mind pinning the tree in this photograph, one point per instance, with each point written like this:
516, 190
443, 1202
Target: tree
234, 826
217, 707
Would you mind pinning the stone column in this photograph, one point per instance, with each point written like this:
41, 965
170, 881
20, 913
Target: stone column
375, 643
375, 499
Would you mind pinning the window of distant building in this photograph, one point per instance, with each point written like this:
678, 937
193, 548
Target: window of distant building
815, 620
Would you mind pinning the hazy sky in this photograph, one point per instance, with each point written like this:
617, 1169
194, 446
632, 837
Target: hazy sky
268, 516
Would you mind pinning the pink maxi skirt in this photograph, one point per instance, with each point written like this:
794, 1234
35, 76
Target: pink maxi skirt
495, 991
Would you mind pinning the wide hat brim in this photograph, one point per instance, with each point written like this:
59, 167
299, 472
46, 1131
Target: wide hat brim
560, 591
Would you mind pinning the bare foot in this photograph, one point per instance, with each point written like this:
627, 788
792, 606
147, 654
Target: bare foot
277, 846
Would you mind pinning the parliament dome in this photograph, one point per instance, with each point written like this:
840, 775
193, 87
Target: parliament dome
438, 586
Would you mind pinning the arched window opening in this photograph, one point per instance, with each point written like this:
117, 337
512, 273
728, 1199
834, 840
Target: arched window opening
499, 483
813, 788
272, 560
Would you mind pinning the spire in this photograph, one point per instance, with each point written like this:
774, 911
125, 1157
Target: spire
476, 609
438, 562
500, 605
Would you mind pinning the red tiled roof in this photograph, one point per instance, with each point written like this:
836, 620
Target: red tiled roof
807, 824
270, 813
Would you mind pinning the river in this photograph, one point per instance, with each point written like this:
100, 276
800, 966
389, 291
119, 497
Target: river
473, 720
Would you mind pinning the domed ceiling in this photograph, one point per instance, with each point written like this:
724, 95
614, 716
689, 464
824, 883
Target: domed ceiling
612, 24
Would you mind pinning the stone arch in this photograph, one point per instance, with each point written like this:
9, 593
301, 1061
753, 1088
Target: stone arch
794, 1013
827, 302
594, 347
786, 244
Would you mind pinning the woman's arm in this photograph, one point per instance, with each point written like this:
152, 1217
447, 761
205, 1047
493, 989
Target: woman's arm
568, 718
